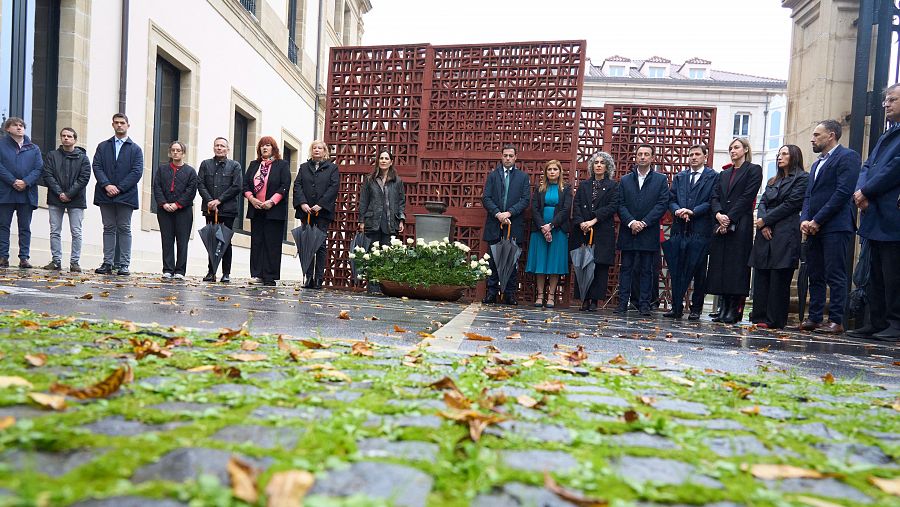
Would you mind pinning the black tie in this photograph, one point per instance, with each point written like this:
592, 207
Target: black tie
694, 177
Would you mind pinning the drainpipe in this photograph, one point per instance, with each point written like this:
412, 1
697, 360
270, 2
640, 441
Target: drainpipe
123, 57
765, 133
318, 70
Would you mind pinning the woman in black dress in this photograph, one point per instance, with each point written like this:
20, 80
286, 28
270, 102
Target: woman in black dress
732, 205
776, 251
266, 183
174, 187
596, 201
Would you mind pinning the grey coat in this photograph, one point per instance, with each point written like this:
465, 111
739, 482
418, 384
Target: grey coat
372, 206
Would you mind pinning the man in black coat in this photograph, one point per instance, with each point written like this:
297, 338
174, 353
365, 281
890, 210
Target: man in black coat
827, 221
67, 171
219, 182
690, 194
315, 194
506, 195
643, 198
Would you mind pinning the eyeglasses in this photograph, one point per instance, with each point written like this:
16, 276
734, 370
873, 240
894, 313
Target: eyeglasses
889, 100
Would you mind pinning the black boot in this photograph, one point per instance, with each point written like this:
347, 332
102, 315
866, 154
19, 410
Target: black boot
717, 316
729, 311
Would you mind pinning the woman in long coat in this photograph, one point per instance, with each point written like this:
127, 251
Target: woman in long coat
776, 251
732, 205
315, 195
174, 188
382, 205
596, 201
548, 247
266, 183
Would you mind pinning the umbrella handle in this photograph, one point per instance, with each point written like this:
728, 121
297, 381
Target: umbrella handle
508, 230
217, 217
591, 237
309, 216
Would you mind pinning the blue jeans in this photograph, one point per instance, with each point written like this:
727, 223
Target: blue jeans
76, 215
23, 216
826, 260
640, 264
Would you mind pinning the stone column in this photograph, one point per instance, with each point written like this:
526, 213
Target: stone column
820, 82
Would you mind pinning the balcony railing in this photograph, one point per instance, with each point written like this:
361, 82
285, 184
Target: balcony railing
250, 5
293, 50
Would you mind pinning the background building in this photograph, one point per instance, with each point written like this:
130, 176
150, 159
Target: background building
746, 106
190, 70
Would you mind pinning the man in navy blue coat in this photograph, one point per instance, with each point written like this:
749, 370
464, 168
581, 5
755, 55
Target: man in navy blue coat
506, 195
689, 203
20, 169
643, 198
878, 191
118, 166
827, 221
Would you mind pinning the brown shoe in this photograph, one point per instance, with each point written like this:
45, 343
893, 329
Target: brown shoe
809, 325
24, 264
830, 328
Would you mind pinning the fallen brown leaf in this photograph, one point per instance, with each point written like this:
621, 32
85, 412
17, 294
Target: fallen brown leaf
144, 348
498, 373
613, 371
30, 325
890, 486
104, 294
61, 322
444, 383
456, 399
828, 378
14, 382
223, 298
549, 386
363, 349
249, 345
102, 389
344, 315
631, 416
201, 369
754, 410
571, 496
573, 335
227, 333
398, 329
577, 356
514, 336
287, 489
52, 401
529, 402
243, 480
335, 375
423, 334
310, 344
476, 421
814, 502
247, 358
619, 359
86, 296
771, 472
36, 360
127, 325
647, 400
6, 422
478, 337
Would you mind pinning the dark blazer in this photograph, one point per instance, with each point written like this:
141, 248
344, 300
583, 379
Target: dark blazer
317, 187
279, 181
67, 173
604, 210
829, 193
561, 214
516, 203
180, 187
220, 181
645, 204
15, 164
695, 198
879, 181
371, 205
124, 172
779, 208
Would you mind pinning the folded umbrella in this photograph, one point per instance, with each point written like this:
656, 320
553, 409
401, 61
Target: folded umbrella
506, 255
308, 239
216, 238
684, 251
802, 280
361, 241
858, 298
583, 265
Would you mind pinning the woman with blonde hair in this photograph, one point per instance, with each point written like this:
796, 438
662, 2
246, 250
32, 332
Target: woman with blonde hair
548, 248
315, 195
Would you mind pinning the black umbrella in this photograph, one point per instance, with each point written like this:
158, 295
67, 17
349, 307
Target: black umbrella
858, 298
216, 238
506, 257
359, 240
308, 239
583, 265
684, 251
802, 280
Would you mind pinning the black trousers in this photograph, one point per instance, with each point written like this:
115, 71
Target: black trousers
884, 284
699, 293
227, 221
637, 264
265, 248
597, 290
175, 227
771, 296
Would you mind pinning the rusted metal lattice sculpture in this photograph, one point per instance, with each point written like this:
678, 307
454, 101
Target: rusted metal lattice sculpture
446, 111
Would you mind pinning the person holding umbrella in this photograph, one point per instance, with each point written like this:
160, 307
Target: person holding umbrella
315, 194
596, 202
732, 201
219, 184
548, 248
776, 251
266, 187
174, 188
505, 198
382, 205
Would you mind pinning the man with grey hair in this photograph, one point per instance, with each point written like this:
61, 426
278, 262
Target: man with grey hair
20, 170
876, 196
827, 222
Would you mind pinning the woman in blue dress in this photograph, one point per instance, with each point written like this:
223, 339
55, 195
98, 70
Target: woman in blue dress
548, 248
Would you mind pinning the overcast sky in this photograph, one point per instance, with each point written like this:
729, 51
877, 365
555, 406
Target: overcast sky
748, 36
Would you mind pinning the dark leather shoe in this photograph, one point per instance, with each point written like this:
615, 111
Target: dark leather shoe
510, 300
269, 283
24, 264
104, 269
645, 312
891, 334
830, 328
694, 316
489, 299
864, 332
809, 325
621, 311
225, 278
210, 277
672, 314
585, 304
593, 306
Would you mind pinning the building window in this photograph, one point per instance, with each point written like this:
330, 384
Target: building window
292, 31
656, 72
240, 153
165, 114
775, 130
250, 5
617, 71
696, 73
741, 125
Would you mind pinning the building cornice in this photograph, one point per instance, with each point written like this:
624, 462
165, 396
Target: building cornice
686, 83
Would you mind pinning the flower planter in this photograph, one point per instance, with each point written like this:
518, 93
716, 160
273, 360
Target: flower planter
432, 292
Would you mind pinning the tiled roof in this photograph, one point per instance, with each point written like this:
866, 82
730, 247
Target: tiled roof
657, 59
698, 61
713, 76
617, 58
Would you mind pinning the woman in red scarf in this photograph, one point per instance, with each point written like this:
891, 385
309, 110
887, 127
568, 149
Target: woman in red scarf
266, 188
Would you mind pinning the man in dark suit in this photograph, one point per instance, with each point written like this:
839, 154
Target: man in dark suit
644, 195
827, 221
878, 189
690, 194
506, 195
219, 182
118, 166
